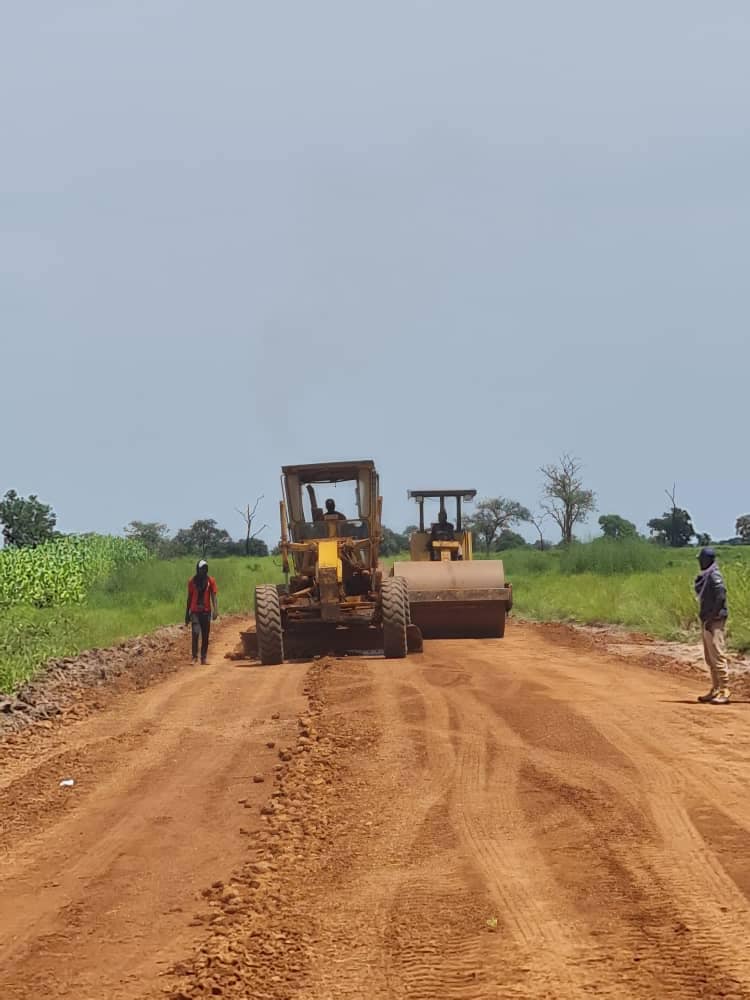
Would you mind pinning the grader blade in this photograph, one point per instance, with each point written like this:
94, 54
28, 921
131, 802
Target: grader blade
323, 641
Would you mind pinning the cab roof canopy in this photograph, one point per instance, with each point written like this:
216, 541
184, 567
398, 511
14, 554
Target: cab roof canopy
328, 472
420, 495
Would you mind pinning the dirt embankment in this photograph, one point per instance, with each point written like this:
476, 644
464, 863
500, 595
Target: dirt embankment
74, 685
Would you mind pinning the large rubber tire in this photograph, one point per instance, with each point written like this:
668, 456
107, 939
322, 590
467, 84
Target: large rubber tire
394, 605
268, 625
405, 587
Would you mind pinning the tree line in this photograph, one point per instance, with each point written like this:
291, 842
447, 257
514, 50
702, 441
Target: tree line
565, 501
28, 522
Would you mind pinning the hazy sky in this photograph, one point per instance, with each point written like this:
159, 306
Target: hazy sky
456, 237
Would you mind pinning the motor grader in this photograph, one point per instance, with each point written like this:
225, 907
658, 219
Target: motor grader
335, 597
450, 593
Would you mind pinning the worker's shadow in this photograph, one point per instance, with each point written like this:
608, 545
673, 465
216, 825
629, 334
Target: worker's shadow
696, 704
257, 665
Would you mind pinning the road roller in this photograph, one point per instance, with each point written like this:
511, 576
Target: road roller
452, 595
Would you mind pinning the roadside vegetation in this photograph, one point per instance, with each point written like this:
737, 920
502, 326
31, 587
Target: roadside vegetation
634, 584
132, 600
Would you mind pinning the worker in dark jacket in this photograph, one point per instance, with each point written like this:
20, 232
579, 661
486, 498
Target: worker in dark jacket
711, 592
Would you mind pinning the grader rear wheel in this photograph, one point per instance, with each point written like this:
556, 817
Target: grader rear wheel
268, 625
394, 609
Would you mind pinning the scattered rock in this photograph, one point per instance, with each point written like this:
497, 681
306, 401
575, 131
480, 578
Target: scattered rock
258, 779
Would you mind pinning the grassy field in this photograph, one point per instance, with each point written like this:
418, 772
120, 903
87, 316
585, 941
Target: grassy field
635, 585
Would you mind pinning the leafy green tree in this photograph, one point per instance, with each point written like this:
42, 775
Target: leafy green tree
564, 497
673, 528
743, 528
152, 534
393, 543
245, 547
26, 520
616, 527
703, 539
493, 516
509, 540
204, 537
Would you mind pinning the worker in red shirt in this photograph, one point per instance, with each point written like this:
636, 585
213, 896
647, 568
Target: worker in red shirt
202, 607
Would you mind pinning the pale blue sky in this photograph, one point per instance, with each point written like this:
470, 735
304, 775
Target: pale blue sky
458, 238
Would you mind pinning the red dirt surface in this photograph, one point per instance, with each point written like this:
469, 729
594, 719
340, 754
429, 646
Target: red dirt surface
524, 818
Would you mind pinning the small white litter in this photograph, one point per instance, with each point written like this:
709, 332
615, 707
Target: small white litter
67, 783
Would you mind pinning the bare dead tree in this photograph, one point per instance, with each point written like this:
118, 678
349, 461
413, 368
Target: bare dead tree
248, 514
673, 525
537, 519
564, 497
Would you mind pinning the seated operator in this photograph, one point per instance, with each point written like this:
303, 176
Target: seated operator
442, 531
331, 512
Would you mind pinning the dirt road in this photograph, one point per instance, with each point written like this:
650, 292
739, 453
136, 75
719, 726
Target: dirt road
526, 818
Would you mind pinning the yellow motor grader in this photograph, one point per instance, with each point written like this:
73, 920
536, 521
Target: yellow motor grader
335, 597
450, 593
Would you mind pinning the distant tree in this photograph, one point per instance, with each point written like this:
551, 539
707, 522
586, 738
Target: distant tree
152, 534
703, 539
247, 514
616, 527
537, 519
411, 529
674, 527
743, 528
564, 497
493, 516
257, 547
543, 544
26, 520
393, 543
203, 537
509, 540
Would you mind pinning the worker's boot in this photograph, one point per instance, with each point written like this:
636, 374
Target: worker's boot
721, 697
705, 698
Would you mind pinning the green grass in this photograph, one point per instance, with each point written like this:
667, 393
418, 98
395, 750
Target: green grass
134, 600
633, 589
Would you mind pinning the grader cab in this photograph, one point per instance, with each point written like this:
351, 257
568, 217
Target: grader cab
450, 593
335, 597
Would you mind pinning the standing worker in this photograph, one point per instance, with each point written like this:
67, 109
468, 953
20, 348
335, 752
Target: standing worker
711, 592
202, 607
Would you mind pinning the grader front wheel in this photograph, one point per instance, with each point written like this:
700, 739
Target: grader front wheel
268, 625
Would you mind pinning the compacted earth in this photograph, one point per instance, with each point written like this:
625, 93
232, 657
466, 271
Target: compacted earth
544, 816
